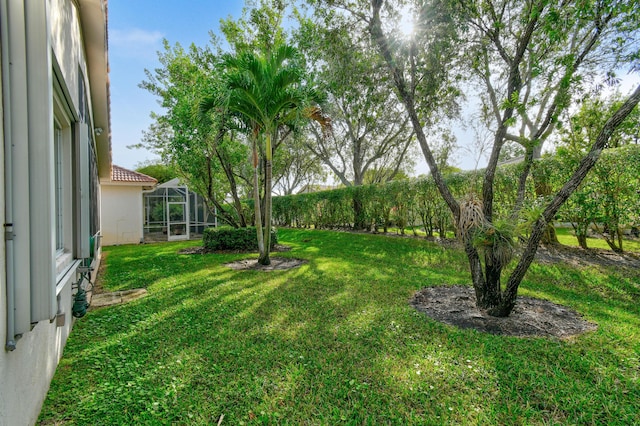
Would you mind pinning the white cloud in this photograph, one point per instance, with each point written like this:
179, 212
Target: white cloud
134, 42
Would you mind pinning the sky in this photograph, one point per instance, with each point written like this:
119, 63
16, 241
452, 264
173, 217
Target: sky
136, 31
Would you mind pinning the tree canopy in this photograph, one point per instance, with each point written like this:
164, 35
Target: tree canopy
396, 71
530, 60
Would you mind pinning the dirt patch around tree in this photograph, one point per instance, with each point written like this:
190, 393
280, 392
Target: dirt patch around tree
456, 305
277, 264
277, 248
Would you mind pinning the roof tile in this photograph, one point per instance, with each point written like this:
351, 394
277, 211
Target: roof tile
120, 174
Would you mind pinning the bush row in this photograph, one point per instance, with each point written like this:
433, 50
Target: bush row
234, 239
416, 203
406, 204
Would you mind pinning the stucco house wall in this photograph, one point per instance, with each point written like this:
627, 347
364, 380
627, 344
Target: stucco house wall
54, 91
122, 206
121, 215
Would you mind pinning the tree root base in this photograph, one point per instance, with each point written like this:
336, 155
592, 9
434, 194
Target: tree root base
455, 305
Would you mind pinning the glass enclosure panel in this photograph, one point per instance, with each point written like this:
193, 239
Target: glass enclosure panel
177, 220
173, 212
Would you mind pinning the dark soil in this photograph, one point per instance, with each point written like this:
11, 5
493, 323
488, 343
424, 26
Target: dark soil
531, 317
97, 283
277, 263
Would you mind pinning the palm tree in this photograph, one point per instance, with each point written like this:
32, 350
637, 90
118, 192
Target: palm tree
267, 92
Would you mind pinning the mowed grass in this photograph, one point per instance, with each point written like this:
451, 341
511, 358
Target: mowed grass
567, 237
335, 342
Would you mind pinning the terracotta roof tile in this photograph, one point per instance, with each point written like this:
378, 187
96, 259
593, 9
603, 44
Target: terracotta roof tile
120, 174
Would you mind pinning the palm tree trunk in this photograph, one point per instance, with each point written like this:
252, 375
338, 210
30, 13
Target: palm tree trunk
264, 255
256, 198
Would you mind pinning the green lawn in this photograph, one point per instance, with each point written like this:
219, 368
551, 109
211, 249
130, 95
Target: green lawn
566, 236
335, 342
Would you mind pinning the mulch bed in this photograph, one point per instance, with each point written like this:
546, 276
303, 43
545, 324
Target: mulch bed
456, 305
277, 248
277, 264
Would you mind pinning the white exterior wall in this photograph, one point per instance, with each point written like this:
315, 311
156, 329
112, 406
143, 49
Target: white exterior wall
25, 373
67, 45
121, 214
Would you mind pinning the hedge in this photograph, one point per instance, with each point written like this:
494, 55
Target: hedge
416, 203
234, 239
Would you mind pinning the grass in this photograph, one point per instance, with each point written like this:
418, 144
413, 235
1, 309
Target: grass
566, 236
335, 342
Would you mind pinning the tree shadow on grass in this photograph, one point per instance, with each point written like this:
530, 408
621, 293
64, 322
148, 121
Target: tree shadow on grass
331, 342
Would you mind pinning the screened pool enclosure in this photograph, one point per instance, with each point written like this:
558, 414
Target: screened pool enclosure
172, 212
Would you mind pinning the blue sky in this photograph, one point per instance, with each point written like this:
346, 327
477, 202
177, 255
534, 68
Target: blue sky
136, 30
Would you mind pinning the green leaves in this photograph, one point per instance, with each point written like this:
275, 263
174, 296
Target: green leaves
608, 199
234, 239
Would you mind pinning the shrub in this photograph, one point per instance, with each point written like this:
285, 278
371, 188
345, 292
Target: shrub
234, 239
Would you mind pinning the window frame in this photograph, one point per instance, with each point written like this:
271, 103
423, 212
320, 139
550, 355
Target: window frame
63, 137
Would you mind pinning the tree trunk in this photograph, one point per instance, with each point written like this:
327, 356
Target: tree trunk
358, 211
264, 259
256, 198
222, 212
483, 299
581, 230
427, 223
550, 236
620, 238
543, 189
228, 170
582, 240
614, 239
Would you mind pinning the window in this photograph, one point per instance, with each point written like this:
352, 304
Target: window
62, 183
50, 159
87, 213
59, 194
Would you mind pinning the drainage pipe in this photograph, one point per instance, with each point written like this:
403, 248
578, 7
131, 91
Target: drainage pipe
10, 343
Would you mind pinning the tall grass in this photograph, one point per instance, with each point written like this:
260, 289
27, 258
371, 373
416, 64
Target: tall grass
335, 342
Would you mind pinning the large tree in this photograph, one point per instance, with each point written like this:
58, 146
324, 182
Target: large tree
512, 45
369, 131
298, 166
202, 148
